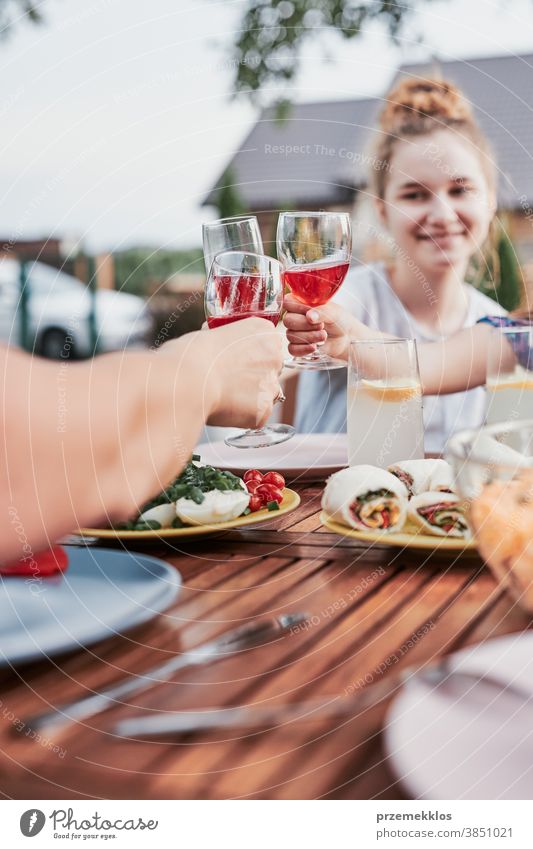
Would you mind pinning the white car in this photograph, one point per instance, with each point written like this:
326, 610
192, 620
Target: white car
59, 308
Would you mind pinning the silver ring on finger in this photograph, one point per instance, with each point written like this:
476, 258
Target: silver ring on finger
280, 397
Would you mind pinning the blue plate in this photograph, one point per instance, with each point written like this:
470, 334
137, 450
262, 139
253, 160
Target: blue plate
102, 593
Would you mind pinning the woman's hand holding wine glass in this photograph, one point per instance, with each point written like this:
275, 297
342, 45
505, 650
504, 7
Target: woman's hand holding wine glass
328, 326
315, 249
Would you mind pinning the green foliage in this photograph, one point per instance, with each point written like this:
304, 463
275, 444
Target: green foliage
228, 200
137, 268
272, 33
12, 11
511, 286
498, 275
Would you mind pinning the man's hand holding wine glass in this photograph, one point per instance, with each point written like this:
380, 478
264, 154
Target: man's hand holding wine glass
241, 382
245, 372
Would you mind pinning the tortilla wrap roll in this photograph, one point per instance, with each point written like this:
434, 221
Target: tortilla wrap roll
424, 475
439, 514
366, 498
441, 478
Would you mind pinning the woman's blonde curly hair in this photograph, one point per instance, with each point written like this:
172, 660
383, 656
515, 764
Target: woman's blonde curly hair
419, 107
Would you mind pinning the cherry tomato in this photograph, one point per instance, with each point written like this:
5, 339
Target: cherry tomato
42, 564
252, 475
275, 479
252, 485
255, 503
267, 493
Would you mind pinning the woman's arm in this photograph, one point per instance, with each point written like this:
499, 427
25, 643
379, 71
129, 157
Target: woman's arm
456, 364
89, 443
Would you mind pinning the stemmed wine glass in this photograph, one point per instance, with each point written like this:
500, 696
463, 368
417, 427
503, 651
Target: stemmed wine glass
244, 285
241, 232
315, 250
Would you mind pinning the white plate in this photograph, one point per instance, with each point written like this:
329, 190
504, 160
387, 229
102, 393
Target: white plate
101, 594
467, 740
307, 456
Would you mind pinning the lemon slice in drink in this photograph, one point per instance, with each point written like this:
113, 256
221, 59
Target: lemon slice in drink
513, 382
390, 390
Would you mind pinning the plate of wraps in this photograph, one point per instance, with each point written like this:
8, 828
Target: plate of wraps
410, 504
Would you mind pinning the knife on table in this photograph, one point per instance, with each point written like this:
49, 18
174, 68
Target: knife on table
255, 633
259, 718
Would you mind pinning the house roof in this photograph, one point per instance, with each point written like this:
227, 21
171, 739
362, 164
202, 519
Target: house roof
319, 154
303, 159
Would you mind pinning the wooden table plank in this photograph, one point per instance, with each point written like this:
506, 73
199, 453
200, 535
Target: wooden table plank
315, 681
364, 663
373, 611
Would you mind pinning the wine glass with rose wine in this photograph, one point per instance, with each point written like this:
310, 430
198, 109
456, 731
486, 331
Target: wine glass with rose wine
244, 285
239, 233
315, 250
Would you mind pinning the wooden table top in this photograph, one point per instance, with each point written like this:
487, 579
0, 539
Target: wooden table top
374, 611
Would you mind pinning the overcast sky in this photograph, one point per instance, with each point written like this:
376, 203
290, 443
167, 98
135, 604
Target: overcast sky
116, 115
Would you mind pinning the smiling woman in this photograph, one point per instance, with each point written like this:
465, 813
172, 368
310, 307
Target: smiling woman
434, 192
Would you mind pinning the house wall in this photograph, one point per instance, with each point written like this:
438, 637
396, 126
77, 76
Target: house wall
268, 221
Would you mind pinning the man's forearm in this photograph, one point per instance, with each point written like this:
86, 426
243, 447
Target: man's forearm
88, 443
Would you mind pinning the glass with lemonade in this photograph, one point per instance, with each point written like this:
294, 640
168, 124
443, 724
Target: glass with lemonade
384, 413
510, 374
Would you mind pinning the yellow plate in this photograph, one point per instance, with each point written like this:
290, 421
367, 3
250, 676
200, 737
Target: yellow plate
290, 502
411, 537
